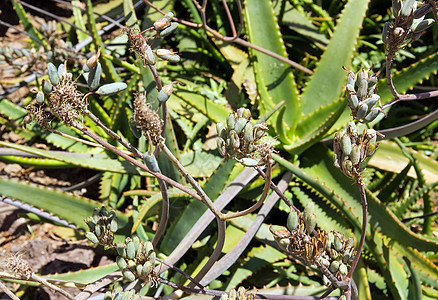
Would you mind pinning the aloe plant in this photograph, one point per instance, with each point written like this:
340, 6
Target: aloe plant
399, 263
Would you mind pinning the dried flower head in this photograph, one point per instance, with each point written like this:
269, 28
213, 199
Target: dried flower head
140, 46
146, 119
18, 266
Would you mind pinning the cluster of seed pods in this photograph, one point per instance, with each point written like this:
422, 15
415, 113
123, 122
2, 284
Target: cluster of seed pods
102, 224
361, 96
351, 150
136, 259
237, 139
119, 294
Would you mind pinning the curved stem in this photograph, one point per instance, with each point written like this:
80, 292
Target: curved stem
164, 212
8, 292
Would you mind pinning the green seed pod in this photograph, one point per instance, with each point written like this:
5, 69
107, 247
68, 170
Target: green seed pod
249, 162
347, 255
231, 121
163, 22
333, 254
90, 222
147, 268
221, 130
151, 162
94, 76
135, 131
310, 222
139, 251
346, 144
104, 212
62, 71
362, 110
121, 249
92, 237
350, 89
53, 74
362, 90
131, 264
128, 275
355, 154
326, 281
407, 8
136, 242
248, 135
347, 166
114, 225
337, 243
152, 258
334, 266
309, 208
168, 30
121, 262
343, 269
244, 113
18, 52
330, 240
138, 270
362, 74
222, 147
372, 101
422, 11
98, 230
353, 101
396, 7
385, 32
224, 296
39, 97
350, 79
423, 25
130, 249
108, 296
47, 87
240, 124
148, 249
325, 262
111, 88
372, 115
149, 55
234, 139
162, 96
292, 220
96, 215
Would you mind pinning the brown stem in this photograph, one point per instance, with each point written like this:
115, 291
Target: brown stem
8, 292
164, 212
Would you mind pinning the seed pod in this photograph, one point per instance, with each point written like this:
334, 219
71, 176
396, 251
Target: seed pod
92, 61
114, 225
149, 55
310, 222
249, 162
362, 74
121, 262
136, 242
47, 87
231, 121
292, 220
147, 268
330, 240
346, 144
221, 130
148, 249
98, 230
309, 208
350, 88
53, 74
131, 264
347, 255
135, 131
351, 128
347, 166
152, 257
343, 269
350, 79
234, 139
325, 262
61, 71
337, 243
128, 275
362, 110
362, 90
104, 212
39, 97
130, 249
92, 237
164, 93
423, 25
90, 223
334, 266
385, 32
422, 11
138, 270
372, 101
111, 88
168, 30
372, 115
355, 154
407, 8
326, 281
240, 124
121, 249
94, 76
353, 101
151, 162
221, 147
396, 7
96, 215
283, 243
163, 22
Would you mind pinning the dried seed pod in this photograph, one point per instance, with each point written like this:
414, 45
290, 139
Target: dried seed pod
121, 249
92, 237
249, 162
325, 262
111, 88
231, 121
168, 30
346, 144
53, 73
121, 262
292, 220
351, 128
385, 32
347, 165
362, 110
39, 97
163, 22
334, 266
398, 32
333, 254
128, 275
130, 249
91, 62
151, 162
221, 147
240, 124
234, 139
47, 87
94, 76
147, 268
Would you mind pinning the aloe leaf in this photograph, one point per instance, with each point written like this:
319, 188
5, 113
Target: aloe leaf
79, 20
389, 157
85, 276
275, 79
111, 188
393, 184
35, 162
36, 37
97, 163
73, 209
200, 163
120, 104
403, 206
